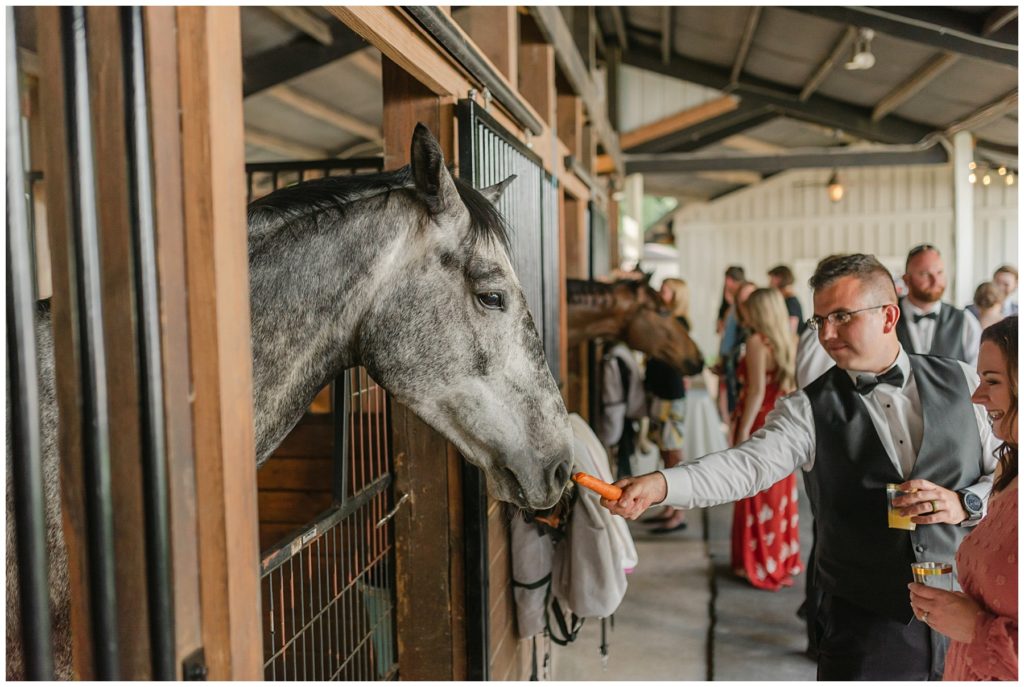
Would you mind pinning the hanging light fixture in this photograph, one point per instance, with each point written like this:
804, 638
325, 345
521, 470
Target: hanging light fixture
835, 188
862, 57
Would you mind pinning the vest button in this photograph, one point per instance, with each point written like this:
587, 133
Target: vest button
920, 548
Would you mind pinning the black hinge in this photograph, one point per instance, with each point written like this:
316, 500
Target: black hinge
194, 668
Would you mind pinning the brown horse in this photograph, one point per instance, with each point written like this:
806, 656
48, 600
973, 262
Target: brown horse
631, 312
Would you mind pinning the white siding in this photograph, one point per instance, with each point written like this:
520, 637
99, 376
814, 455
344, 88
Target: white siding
788, 219
646, 97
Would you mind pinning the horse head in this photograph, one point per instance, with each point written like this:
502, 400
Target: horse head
450, 335
632, 312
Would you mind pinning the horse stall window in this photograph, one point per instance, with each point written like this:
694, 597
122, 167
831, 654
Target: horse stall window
488, 154
327, 566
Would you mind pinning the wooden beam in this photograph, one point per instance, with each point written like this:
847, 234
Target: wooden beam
169, 224
325, 113
817, 108
679, 120
217, 262
846, 39
749, 144
537, 70
913, 85
552, 25
936, 27
495, 30
367, 61
305, 21
985, 114
620, 26
998, 18
745, 43
795, 159
293, 59
666, 33
737, 176
282, 146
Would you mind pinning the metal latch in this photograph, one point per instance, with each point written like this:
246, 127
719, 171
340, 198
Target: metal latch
193, 668
391, 513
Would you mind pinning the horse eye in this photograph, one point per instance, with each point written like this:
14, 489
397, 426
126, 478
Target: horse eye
491, 300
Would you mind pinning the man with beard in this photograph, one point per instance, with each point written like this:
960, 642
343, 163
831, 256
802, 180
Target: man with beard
926, 324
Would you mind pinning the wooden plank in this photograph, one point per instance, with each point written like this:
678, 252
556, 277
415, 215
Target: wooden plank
66, 355
305, 21
570, 122
162, 74
913, 85
299, 474
297, 507
422, 543
217, 262
985, 114
106, 83
313, 436
283, 146
745, 42
495, 30
457, 564
399, 39
678, 121
537, 70
829, 63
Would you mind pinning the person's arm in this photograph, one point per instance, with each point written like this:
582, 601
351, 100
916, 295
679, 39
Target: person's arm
794, 324
784, 444
757, 365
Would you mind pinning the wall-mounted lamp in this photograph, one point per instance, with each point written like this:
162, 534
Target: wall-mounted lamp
835, 188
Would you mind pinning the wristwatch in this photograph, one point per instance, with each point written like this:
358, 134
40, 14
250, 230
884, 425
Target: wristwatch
973, 504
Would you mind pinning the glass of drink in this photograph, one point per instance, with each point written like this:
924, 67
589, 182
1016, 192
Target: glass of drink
897, 521
931, 574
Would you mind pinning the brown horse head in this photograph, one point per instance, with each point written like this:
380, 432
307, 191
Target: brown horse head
631, 312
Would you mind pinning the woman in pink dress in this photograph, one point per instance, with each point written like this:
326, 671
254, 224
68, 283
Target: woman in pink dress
765, 527
981, 621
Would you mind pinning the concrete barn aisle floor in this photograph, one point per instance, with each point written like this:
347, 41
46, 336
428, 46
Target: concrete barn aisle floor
682, 588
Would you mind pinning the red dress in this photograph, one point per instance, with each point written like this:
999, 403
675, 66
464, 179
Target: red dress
766, 526
986, 564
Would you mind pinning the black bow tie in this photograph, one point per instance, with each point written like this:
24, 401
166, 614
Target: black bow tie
926, 316
894, 376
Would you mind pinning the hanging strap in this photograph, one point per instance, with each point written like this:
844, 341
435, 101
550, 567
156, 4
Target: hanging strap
569, 632
532, 585
533, 662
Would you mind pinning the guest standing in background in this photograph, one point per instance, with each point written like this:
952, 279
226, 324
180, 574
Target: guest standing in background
667, 409
781, 277
987, 307
732, 337
765, 540
982, 620
1006, 279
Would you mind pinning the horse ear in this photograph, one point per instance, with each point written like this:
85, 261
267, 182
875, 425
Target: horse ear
434, 183
493, 193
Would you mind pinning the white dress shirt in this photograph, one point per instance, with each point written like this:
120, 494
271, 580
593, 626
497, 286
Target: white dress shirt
922, 333
787, 442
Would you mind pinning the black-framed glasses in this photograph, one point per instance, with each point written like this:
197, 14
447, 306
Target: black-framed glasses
838, 318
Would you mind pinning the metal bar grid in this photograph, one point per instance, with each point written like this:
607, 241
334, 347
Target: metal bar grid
265, 177
328, 591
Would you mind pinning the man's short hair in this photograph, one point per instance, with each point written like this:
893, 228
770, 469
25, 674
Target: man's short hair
1007, 269
917, 250
783, 274
864, 267
736, 273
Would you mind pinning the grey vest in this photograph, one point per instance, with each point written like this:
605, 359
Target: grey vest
856, 555
949, 332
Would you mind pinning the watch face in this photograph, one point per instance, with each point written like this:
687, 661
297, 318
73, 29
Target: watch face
972, 502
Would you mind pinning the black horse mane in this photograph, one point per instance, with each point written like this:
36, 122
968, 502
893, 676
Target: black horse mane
580, 291
310, 198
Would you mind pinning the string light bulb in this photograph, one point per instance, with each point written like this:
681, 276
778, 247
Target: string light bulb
1009, 179
972, 177
972, 165
1002, 171
986, 180
835, 188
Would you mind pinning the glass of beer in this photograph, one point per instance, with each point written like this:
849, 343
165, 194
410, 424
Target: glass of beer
931, 574
897, 521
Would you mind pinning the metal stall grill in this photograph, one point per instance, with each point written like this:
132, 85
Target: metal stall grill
489, 154
328, 588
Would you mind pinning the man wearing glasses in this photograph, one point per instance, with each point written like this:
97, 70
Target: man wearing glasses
877, 416
927, 325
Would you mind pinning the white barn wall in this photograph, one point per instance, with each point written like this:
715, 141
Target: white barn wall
788, 219
646, 97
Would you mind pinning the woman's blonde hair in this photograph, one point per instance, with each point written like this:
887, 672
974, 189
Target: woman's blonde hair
765, 314
680, 297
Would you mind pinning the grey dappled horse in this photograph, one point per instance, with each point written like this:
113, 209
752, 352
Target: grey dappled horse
406, 273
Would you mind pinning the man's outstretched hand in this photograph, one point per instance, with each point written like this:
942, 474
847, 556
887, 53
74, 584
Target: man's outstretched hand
638, 494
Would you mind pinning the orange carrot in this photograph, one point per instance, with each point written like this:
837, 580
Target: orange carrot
608, 491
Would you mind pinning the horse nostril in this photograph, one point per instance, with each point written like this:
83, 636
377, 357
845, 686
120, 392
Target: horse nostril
561, 474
